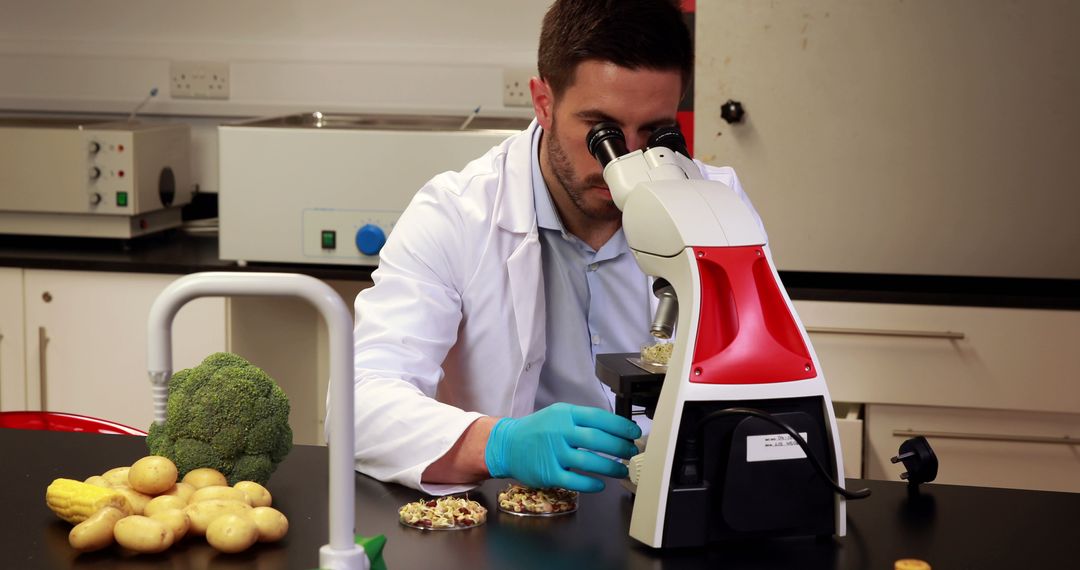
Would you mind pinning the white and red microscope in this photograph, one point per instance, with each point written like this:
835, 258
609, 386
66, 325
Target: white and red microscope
744, 440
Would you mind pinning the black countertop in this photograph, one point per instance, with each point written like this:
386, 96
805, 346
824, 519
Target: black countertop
169, 252
947, 526
178, 252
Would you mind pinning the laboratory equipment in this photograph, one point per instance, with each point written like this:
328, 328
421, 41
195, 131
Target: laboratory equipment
64, 177
742, 412
328, 188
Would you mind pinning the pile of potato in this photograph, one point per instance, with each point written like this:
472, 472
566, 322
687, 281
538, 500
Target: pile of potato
163, 511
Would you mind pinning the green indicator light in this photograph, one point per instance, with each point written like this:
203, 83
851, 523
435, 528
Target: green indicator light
329, 239
121, 199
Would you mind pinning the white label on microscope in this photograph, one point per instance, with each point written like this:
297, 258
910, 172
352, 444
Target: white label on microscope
773, 447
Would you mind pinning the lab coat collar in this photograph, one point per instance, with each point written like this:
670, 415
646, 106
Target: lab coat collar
516, 211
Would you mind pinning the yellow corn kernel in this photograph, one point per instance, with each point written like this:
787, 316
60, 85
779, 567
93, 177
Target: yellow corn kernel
74, 501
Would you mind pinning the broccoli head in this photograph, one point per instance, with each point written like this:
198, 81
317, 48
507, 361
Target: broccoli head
226, 414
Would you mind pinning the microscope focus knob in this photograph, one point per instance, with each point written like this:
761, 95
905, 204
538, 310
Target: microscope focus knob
732, 111
370, 239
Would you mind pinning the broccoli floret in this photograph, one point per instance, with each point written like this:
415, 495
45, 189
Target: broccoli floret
226, 414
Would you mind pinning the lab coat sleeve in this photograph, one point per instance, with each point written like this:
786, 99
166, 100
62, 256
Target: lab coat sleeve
405, 325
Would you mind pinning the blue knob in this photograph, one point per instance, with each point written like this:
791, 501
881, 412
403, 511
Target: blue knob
370, 239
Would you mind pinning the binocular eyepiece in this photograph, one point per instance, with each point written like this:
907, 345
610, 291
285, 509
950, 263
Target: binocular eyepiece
606, 141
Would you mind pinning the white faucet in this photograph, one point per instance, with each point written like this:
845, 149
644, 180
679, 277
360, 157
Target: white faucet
342, 553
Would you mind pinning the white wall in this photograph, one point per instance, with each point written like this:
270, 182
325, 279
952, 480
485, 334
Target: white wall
285, 56
104, 55
919, 137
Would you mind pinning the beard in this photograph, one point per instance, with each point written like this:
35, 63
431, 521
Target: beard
563, 170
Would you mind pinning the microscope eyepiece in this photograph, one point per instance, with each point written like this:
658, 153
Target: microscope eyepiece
606, 142
669, 137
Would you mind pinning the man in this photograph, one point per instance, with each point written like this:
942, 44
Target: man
501, 283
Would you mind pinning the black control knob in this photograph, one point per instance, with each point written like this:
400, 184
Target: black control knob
95, 173
95, 199
732, 111
94, 147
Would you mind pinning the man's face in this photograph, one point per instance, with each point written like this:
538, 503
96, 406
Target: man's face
638, 101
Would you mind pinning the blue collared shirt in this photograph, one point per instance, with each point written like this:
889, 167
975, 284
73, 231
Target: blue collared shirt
598, 302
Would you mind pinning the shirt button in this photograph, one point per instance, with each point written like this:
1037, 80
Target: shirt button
593, 266
528, 366
596, 339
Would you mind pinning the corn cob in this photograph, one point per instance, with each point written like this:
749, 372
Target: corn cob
75, 501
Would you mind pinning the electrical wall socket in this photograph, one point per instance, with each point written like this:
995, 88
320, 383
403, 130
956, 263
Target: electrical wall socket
198, 80
516, 87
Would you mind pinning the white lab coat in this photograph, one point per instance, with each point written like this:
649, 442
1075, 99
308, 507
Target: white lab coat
453, 328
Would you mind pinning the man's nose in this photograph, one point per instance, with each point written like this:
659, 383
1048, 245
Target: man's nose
634, 141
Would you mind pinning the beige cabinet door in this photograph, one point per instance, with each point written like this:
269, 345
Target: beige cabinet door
288, 339
12, 371
87, 341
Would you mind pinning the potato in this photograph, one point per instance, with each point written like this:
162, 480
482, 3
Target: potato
257, 495
95, 532
136, 500
117, 476
182, 490
204, 477
218, 492
163, 503
232, 533
152, 475
99, 481
271, 523
175, 520
203, 513
143, 534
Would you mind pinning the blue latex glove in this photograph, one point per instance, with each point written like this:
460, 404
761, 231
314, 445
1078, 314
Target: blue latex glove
540, 449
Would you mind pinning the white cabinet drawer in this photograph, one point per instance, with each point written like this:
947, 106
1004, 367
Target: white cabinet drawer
991, 448
1021, 359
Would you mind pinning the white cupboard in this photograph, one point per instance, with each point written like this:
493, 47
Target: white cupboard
12, 357
996, 391
84, 337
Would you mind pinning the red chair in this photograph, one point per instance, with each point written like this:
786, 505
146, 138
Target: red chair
59, 421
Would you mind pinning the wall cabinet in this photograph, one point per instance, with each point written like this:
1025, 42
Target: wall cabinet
84, 337
988, 386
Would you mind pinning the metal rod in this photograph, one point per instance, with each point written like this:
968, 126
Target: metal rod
949, 335
43, 377
1063, 440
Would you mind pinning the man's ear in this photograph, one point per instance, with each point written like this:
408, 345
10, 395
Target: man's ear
543, 101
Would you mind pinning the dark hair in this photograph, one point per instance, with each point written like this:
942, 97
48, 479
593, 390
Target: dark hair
649, 34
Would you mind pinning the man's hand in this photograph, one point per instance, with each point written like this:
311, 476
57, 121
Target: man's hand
540, 449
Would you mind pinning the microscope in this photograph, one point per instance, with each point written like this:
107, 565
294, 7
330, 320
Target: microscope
744, 441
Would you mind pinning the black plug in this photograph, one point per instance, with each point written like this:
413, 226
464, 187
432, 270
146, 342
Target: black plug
919, 460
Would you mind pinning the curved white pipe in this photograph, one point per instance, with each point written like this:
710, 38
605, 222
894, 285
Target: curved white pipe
342, 552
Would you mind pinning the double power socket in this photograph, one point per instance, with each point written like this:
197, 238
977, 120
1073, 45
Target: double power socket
516, 86
210, 80
198, 80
